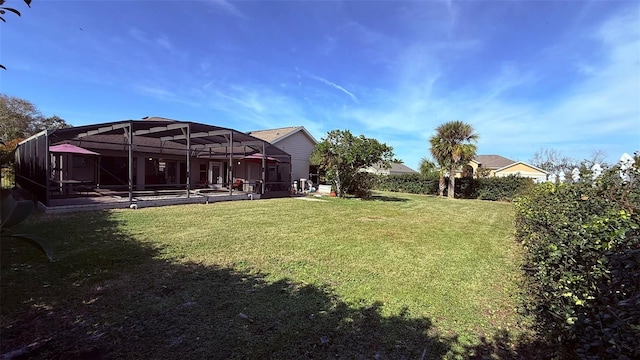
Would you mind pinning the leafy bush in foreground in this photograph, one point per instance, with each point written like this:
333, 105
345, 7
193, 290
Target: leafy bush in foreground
582, 243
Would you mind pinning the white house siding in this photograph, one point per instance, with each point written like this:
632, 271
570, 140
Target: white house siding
300, 147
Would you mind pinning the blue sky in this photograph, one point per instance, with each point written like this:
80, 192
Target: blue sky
526, 74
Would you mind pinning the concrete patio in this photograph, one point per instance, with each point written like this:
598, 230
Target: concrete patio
102, 200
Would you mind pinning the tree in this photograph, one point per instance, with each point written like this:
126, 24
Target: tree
19, 118
3, 11
597, 157
50, 123
6, 151
428, 168
343, 157
443, 164
452, 147
16, 117
554, 162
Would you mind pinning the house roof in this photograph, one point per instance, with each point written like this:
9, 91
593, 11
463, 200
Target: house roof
399, 168
396, 168
523, 163
493, 161
279, 134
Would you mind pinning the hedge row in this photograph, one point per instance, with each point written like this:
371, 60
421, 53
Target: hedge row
408, 183
582, 264
494, 188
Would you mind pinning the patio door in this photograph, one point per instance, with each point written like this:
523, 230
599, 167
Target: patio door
215, 172
183, 173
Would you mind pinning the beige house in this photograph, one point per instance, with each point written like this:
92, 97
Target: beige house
295, 140
496, 165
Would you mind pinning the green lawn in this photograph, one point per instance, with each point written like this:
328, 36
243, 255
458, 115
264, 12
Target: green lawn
404, 276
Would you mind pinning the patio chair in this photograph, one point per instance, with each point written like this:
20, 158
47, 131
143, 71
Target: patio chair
237, 185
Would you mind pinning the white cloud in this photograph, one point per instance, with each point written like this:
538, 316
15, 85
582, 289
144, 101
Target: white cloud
228, 7
164, 43
586, 113
254, 106
138, 34
452, 14
161, 93
332, 84
600, 107
161, 41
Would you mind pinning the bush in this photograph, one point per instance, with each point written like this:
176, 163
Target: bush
582, 262
502, 188
8, 178
495, 188
362, 184
409, 183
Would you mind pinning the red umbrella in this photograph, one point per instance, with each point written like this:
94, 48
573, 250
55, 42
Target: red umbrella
70, 149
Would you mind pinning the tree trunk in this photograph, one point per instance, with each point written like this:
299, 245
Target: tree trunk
441, 185
452, 183
338, 184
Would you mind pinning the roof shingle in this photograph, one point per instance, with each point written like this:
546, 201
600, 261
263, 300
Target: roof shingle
493, 161
272, 135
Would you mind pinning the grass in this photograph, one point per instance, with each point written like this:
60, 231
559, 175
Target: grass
405, 276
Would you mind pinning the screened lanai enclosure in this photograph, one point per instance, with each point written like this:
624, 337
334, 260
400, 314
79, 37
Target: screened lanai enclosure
152, 157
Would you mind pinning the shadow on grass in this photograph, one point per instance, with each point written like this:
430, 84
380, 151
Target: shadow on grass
110, 296
503, 346
375, 197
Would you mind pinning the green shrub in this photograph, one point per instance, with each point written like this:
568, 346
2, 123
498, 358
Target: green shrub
409, 183
581, 244
611, 328
362, 184
495, 188
502, 188
8, 178
466, 188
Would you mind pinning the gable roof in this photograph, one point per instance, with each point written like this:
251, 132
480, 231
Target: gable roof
279, 134
396, 168
400, 168
493, 161
525, 164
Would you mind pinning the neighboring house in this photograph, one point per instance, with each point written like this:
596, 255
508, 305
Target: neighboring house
496, 165
395, 169
296, 141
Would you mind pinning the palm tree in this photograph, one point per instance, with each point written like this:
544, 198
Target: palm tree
427, 167
452, 147
443, 166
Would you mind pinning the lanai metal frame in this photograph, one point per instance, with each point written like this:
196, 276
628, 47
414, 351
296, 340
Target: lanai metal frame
193, 140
